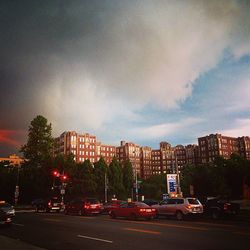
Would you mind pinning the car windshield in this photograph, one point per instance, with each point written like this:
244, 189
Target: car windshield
141, 204
92, 201
55, 200
5, 205
193, 201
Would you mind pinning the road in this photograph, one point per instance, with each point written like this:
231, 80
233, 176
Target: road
59, 231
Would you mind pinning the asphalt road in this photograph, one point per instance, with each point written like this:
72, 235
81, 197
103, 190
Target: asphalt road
58, 231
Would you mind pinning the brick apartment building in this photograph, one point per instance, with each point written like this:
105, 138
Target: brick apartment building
131, 151
83, 146
214, 145
12, 160
147, 161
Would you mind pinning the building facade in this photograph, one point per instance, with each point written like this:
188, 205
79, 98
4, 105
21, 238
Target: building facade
214, 145
130, 151
83, 147
12, 160
147, 161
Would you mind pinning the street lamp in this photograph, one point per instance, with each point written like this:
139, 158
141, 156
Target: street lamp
136, 185
105, 188
17, 186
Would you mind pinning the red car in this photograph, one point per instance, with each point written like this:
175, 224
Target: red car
107, 207
133, 210
86, 206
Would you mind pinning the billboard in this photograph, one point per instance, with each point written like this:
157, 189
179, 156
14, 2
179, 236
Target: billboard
172, 183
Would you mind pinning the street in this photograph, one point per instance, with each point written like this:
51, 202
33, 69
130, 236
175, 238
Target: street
59, 231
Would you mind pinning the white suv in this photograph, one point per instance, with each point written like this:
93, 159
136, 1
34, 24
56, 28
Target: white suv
179, 207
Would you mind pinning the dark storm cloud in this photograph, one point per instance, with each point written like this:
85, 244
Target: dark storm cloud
71, 60
32, 32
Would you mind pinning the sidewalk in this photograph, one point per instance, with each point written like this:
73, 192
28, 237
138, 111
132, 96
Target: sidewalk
13, 244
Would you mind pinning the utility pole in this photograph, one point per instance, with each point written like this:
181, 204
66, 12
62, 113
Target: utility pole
105, 187
178, 176
136, 185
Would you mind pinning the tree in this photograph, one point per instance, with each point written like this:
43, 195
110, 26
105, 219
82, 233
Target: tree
115, 179
154, 187
100, 170
40, 142
127, 172
82, 181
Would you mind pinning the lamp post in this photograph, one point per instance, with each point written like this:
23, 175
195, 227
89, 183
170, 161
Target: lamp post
136, 185
105, 188
17, 186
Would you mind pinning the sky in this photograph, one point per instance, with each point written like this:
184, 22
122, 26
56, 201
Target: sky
143, 71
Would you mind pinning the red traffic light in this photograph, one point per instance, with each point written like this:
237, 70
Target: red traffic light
64, 177
55, 173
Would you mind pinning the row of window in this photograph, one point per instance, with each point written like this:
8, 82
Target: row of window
87, 146
83, 139
82, 159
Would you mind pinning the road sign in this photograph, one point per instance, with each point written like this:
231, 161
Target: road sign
172, 183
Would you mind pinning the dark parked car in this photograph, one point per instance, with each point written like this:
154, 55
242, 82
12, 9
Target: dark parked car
48, 205
7, 212
133, 210
217, 207
83, 206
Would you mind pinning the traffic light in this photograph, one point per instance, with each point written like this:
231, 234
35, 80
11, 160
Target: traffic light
64, 177
55, 173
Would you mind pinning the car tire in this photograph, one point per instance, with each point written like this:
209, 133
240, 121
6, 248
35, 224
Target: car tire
215, 215
80, 213
112, 214
179, 215
133, 216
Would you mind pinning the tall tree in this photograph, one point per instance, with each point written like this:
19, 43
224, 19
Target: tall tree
115, 179
40, 142
127, 171
100, 171
82, 181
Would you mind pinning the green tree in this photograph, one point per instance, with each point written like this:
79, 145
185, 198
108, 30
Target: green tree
40, 142
82, 180
100, 170
154, 187
115, 179
127, 172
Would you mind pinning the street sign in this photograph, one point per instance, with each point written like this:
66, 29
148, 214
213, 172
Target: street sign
172, 183
62, 191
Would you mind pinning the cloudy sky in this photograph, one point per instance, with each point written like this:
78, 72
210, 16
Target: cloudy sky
136, 70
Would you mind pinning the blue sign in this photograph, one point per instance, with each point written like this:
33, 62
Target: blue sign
172, 186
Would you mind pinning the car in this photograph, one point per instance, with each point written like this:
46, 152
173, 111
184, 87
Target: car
108, 206
7, 213
83, 206
179, 207
133, 210
48, 205
150, 202
218, 207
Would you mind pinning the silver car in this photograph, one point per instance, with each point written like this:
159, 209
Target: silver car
179, 207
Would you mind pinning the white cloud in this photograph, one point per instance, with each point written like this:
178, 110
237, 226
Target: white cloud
148, 53
240, 127
164, 130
